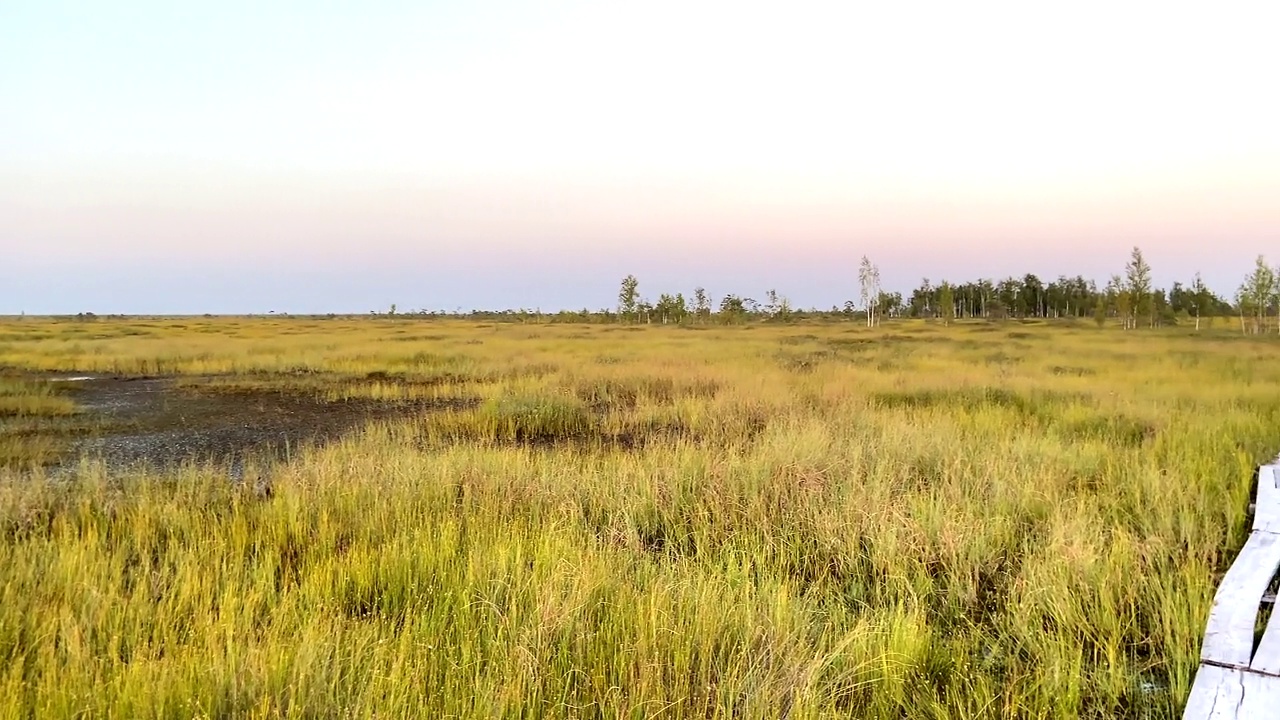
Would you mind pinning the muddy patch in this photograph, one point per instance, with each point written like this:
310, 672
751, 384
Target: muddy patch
157, 423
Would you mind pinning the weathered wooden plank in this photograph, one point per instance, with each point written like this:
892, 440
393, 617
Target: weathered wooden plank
1227, 694
1267, 659
1266, 514
1267, 519
1215, 695
1228, 640
1250, 687
1261, 697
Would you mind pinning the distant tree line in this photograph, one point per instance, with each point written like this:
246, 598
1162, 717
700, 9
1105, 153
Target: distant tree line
1129, 299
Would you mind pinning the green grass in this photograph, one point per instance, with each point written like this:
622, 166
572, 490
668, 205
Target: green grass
816, 521
34, 419
26, 399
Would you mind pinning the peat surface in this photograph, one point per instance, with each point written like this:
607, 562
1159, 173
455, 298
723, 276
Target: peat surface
158, 423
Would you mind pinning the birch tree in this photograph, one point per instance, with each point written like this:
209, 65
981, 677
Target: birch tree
1274, 297
670, 308
1118, 299
701, 304
1138, 283
869, 282
1200, 298
628, 297
777, 307
1256, 295
946, 303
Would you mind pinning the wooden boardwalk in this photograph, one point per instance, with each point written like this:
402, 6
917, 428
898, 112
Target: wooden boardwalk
1239, 678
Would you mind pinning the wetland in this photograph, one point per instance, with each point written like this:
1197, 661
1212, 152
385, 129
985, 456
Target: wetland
986, 519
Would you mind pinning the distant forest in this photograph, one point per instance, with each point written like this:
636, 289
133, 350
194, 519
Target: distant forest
1128, 299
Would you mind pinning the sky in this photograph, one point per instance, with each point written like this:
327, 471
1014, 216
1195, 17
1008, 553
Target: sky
324, 156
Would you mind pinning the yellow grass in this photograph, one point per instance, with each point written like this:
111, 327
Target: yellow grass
977, 521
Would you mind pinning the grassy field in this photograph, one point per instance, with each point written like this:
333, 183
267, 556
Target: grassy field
976, 521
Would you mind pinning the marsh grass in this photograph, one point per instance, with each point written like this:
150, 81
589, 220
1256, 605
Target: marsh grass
816, 521
24, 399
34, 416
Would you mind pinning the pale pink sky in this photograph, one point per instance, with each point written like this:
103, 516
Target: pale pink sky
155, 159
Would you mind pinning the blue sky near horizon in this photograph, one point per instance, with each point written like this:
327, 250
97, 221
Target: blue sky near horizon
341, 156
